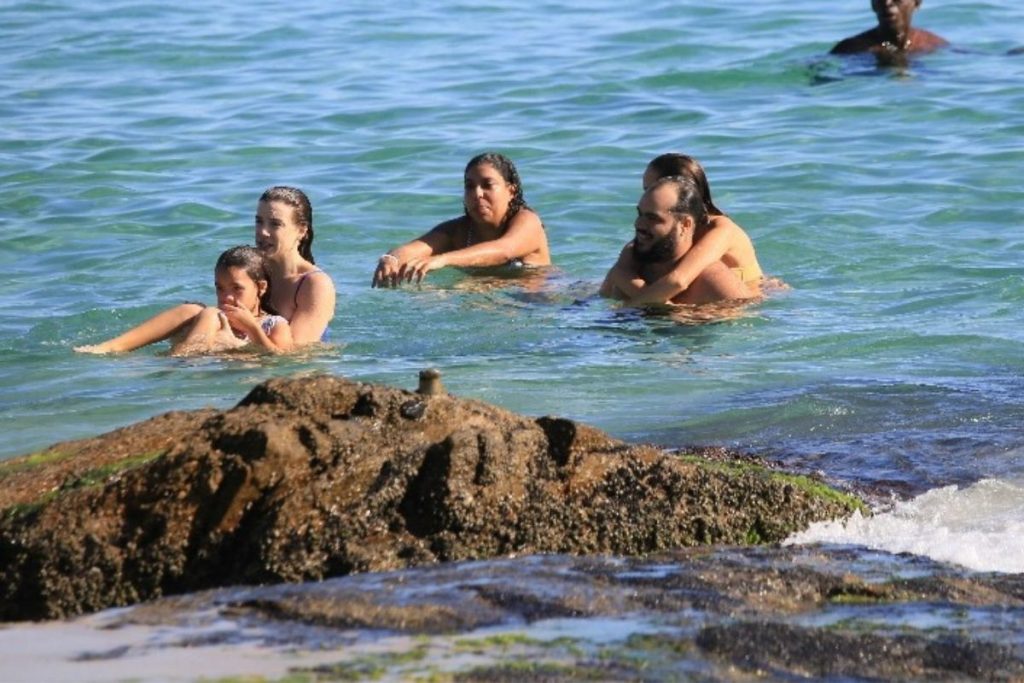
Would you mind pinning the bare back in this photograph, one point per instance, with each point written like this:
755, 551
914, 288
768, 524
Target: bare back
739, 249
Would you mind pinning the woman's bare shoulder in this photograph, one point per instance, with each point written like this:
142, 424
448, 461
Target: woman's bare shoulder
317, 281
527, 217
724, 223
452, 232
451, 225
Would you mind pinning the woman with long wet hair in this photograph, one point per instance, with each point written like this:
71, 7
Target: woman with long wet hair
497, 228
300, 291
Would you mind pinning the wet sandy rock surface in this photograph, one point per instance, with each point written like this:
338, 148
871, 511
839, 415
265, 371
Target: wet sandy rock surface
318, 477
699, 614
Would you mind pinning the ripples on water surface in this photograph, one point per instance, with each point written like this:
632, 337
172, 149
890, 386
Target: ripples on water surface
137, 137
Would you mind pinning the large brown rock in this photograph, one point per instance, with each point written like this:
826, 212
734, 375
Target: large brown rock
314, 477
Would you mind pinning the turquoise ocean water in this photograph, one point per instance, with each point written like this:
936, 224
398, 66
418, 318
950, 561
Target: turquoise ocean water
137, 137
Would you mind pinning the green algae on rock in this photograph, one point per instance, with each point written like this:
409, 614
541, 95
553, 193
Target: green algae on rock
316, 477
722, 613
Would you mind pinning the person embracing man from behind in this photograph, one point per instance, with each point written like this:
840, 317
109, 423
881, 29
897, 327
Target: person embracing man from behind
894, 38
669, 213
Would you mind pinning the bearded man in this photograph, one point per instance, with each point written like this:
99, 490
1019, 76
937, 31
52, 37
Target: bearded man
669, 215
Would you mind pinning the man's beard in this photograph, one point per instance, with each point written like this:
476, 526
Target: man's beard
661, 251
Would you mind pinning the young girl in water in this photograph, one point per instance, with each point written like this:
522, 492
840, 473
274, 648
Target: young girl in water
243, 317
721, 240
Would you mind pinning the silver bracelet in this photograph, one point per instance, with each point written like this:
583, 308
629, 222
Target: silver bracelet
390, 256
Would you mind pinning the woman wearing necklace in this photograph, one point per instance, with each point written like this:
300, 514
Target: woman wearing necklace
497, 229
894, 38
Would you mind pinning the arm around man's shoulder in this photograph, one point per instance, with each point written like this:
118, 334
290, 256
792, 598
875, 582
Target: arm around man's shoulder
622, 280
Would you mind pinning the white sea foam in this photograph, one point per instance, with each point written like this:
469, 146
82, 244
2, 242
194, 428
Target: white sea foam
979, 527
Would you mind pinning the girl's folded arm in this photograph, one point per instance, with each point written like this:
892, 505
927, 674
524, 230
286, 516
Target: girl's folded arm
279, 340
281, 337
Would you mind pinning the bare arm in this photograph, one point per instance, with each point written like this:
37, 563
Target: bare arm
524, 236
313, 309
623, 281
210, 332
279, 340
438, 240
281, 336
708, 250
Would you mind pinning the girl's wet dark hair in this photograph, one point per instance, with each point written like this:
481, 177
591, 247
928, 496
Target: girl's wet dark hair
252, 261
689, 199
297, 199
681, 165
504, 166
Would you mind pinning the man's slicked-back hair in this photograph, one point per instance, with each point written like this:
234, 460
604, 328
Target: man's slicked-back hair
689, 201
